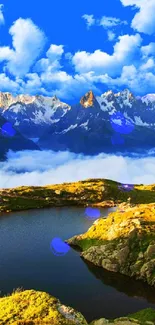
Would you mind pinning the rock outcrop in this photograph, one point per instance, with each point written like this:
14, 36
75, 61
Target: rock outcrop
124, 242
32, 307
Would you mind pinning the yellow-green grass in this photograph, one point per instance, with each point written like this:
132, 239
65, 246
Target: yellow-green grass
31, 307
100, 192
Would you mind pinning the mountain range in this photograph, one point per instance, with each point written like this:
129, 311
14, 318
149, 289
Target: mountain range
107, 123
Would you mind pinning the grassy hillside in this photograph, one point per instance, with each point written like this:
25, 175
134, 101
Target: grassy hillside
100, 192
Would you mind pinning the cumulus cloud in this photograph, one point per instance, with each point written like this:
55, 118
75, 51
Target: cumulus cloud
6, 84
27, 43
90, 20
52, 60
21, 168
125, 51
6, 53
55, 52
111, 35
138, 80
69, 87
148, 50
131, 64
143, 20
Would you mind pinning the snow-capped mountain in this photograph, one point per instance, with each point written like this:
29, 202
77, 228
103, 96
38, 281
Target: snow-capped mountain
88, 127
31, 115
95, 124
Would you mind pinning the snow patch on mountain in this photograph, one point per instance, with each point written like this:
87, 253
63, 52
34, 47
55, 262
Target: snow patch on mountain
150, 98
139, 122
105, 105
68, 129
124, 98
84, 125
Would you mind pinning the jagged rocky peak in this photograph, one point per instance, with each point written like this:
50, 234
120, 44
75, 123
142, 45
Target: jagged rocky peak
6, 99
108, 95
55, 98
126, 93
26, 99
88, 99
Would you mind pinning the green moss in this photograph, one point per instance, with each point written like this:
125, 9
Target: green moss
147, 239
144, 315
84, 244
32, 307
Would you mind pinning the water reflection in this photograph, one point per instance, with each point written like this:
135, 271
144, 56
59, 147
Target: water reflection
129, 286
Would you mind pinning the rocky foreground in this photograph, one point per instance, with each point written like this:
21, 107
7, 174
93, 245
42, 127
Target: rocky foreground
123, 243
32, 307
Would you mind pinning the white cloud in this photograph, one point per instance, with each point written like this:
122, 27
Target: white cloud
68, 167
111, 35
139, 80
125, 51
68, 87
55, 52
2, 20
131, 64
143, 20
54, 77
106, 22
27, 43
6, 53
52, 61
6, 84
148, 49
109, 22
90, 20
150, 64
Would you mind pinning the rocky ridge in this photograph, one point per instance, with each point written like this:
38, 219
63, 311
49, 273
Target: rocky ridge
32, 115
86, 127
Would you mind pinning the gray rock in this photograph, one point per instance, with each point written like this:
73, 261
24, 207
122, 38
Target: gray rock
109, 265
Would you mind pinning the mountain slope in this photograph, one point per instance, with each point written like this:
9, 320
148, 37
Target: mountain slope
10, 138
31, 115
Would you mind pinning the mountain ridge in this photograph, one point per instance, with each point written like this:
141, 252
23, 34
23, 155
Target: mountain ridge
107, 123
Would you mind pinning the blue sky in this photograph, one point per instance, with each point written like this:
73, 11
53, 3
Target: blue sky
66, 48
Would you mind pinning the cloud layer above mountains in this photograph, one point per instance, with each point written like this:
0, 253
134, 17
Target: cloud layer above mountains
68, 167
33, 64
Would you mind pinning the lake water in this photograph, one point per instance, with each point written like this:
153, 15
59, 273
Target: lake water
27, 261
